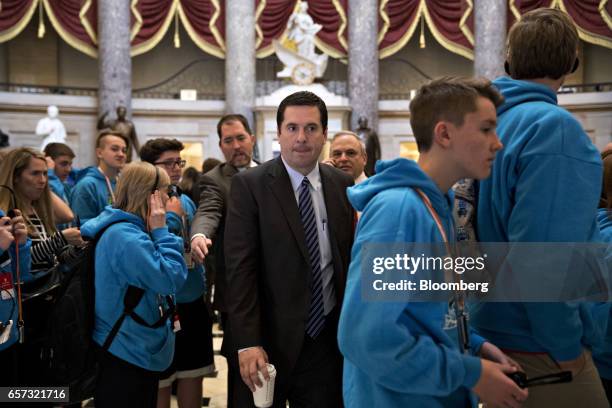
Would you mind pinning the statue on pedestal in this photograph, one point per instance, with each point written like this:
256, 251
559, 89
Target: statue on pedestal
123, 126
51, 128
372, 144
297, 53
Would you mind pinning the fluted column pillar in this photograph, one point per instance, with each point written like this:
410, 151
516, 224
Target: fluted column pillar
363, 61
490, 37
114, 60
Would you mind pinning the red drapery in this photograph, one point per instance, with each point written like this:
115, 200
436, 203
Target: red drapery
14, 16
450, 21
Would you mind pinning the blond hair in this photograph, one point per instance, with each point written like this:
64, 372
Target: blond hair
12, 166
135, 185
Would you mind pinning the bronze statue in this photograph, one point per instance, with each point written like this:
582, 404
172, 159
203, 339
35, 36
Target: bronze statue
372, 144
123, 126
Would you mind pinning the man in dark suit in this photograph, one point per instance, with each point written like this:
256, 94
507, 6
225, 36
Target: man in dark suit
288, 237
236, 142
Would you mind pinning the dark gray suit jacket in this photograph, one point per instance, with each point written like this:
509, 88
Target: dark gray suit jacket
267, 263
210, 221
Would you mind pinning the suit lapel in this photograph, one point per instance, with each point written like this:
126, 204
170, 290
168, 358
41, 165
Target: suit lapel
332, 201
281, 187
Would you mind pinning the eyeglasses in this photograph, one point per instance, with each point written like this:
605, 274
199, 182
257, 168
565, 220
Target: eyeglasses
169, 164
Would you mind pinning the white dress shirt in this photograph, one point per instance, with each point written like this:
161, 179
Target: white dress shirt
318, 201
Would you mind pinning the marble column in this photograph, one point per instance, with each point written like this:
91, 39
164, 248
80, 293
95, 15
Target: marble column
489, 37
114, 60
240, 57
363, 61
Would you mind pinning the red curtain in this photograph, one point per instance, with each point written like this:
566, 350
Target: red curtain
154, 13
324, 12
403, 17
451, 22
590, 20
200, 14
273, 20
12, 14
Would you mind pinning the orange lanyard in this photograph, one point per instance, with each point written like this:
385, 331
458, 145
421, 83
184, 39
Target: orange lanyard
108, 186
458, 301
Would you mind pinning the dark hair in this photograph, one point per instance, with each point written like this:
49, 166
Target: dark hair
233, 117
447, 98
154, 148
209, 164
542, 44
109, 132
302, 98
189, 178
55, 150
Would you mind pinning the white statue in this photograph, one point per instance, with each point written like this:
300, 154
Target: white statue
302, 30
297, 53
51, 128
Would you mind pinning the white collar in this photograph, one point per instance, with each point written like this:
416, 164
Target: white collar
314, 177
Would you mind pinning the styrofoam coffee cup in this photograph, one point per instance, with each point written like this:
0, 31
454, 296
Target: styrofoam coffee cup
264, 396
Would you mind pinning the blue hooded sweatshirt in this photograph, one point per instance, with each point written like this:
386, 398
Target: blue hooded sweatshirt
398, 354
8, 301
127, 255
195, 286
544, 187
602, 354
90, 194
58, 187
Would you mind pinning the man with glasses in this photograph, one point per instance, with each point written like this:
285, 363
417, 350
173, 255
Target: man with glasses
236, 141
193, 356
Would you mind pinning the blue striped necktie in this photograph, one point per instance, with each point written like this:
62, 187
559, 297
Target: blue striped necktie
316, 317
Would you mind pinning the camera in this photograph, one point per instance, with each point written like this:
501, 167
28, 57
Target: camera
520, 378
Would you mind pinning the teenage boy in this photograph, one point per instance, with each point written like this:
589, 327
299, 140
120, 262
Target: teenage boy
544, 187
95, 185
193, 355
399, 354
60, 173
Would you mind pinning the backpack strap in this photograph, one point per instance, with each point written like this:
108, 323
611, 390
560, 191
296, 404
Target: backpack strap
132, 297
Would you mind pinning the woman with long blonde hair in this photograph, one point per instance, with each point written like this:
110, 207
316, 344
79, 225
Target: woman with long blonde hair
135, 250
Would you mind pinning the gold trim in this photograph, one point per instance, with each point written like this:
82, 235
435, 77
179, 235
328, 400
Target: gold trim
587, 35
66, 36
342, 28
14, 31
463, 22
258, 11
138, 17
393, 48
515, 11
604, 13
206, 47
88, 28
269, 49
385, 18
457, 49
332, 52
147, 45
213, 21
177, 34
